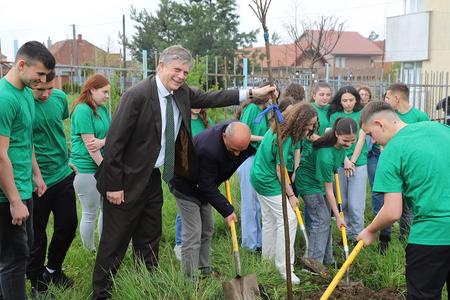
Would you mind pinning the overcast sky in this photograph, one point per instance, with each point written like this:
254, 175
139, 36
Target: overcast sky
100, 21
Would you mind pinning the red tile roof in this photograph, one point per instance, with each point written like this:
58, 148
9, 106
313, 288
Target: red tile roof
281, 55
380, 44
350, 43
353, 43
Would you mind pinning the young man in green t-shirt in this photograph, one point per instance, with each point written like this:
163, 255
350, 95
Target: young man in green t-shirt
397, 96
18, 166
419, 172
50, 146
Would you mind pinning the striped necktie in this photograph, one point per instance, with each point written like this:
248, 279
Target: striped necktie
169, 157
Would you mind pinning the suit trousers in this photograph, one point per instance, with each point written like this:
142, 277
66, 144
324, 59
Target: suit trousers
198, 229
137, 219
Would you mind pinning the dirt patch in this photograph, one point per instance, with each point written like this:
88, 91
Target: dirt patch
357, 291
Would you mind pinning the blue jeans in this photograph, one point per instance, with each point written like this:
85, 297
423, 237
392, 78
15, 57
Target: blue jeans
178, 226
15, 244
377, 199
353, 193
320, 234
250, 208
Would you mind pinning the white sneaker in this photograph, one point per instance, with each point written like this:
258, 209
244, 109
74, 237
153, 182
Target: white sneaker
294, 278
177, 251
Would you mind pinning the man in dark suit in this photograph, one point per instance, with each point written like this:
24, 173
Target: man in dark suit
150, 129
221, 150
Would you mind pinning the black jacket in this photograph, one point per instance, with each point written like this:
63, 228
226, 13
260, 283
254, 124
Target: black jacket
133, 142
216, 165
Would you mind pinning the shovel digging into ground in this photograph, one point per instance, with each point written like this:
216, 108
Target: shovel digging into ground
309, 262
342, 271
241, 287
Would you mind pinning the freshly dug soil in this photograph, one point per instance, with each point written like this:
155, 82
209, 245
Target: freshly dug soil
356, 291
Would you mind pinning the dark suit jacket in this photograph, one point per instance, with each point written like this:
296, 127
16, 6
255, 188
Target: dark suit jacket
133, 142
216, 164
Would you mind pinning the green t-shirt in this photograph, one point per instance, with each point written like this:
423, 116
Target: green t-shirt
317, 168
16, 122
84, 122
413, 116
263, 175
323, 119
416, 163
362, 159
248, 116
198, 126
323, 125
291, 158
50, 144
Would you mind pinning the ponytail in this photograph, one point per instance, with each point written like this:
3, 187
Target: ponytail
342, 125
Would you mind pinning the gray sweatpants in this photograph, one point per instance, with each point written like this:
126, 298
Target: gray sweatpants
91, 202
197, 233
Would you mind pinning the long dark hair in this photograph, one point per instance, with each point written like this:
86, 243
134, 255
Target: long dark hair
295, 121
342, 125
336, 104
285, 103
204, 117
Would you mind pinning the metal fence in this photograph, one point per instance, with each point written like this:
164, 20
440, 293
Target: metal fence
429, 90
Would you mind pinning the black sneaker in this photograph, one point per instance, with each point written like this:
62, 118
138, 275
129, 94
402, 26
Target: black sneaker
39, 294
382, 247
58, 278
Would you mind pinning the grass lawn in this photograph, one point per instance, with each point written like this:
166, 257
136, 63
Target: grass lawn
135, 282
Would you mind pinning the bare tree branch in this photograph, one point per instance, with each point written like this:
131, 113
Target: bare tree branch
318, 38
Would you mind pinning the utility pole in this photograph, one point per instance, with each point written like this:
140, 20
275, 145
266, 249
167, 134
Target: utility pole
124, 39
74, 52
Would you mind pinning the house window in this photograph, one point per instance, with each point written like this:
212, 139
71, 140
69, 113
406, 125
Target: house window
340, 62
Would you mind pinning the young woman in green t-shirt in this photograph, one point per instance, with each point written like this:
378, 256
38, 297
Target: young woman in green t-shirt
250, 206
265, 177
199, 122
353, 173
90, 122
315, 177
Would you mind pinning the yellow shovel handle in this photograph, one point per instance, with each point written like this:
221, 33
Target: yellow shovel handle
232, 225
297, 210
342, 271
338, 188
341, 213
299, 216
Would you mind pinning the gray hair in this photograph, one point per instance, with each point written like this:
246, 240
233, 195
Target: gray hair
230, 128
175, 52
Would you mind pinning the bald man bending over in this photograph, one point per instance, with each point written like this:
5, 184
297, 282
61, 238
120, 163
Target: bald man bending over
220, 150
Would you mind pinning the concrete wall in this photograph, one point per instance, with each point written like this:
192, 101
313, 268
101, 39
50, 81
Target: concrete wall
439, 50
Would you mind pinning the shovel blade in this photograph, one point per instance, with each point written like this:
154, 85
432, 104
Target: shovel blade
241, 288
